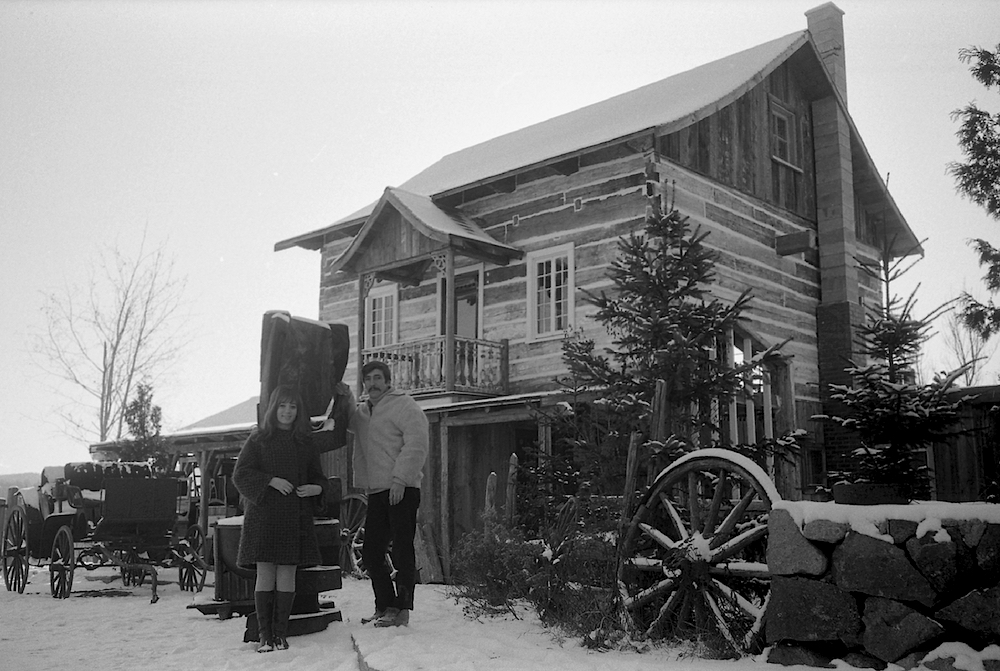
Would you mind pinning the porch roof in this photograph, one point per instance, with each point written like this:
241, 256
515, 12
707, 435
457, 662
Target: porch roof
447, 228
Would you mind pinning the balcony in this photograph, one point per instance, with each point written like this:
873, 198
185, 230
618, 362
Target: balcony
479, 367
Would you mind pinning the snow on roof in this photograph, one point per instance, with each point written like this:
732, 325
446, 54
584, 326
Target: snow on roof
668, 104
431, 221
238, 416
424, 209
680, 98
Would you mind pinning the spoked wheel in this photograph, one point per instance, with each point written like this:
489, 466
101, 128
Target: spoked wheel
15, 553
192, 570
353, 509
131, 575
62, 563
694, 555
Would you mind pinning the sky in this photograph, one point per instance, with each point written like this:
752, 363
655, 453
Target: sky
218, 128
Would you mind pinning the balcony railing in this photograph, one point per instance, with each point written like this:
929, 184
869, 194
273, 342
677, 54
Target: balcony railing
419, 366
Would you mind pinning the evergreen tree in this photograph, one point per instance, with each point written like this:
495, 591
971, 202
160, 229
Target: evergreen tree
895, 418
144, 422
664, 325
978, 178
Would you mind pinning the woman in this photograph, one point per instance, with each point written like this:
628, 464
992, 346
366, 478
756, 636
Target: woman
279, 475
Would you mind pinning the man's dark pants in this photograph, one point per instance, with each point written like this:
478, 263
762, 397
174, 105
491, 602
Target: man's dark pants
397, 525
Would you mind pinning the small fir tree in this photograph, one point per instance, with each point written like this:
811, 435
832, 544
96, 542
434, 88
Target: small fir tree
144, 423
664, 325
895, 417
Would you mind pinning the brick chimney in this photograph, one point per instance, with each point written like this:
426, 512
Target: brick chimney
826, 25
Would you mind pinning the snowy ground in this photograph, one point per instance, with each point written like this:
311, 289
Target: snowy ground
105, 626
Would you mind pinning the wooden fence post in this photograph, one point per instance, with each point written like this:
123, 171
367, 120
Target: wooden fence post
490, 506
511, 506
657, 428
631, 475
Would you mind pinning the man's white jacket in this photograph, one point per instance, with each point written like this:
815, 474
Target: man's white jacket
390, 442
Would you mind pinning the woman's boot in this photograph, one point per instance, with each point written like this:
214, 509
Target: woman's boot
264, 603
282, 611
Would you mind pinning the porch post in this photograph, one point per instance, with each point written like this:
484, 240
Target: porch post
365, 282
449, 328
445, 498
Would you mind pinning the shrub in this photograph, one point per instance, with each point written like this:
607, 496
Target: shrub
491, 570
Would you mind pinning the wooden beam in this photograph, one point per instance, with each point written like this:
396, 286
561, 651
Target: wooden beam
409, 275
793, 243
567, 166
504, 185
481, 252
641, 144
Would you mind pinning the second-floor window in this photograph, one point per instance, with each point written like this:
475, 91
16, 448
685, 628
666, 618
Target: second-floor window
786, 170
380, 316
550, 292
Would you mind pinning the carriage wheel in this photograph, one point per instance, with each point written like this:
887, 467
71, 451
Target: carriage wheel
131, 576
15, 553
694, 555
353, 509
62, 564
192, 571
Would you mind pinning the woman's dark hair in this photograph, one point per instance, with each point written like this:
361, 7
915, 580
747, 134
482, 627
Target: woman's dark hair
377, 365
281, 394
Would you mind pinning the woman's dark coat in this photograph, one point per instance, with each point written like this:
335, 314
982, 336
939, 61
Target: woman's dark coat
278, 528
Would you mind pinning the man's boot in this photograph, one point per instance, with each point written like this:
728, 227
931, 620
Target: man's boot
282, 611
264, 604
398, 616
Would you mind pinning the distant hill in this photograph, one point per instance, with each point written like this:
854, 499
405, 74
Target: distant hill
22, 480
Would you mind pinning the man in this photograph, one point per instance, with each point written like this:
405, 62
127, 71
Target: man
391, 439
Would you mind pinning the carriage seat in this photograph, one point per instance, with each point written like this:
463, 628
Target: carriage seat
138, 508
80, 498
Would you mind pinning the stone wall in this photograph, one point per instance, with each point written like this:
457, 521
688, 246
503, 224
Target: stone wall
881, 584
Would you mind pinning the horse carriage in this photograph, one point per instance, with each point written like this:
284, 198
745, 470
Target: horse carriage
96, 514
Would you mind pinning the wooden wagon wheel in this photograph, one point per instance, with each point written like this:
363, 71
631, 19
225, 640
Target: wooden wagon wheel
193, 569
353, 509
62, 564
694, 554
15, 552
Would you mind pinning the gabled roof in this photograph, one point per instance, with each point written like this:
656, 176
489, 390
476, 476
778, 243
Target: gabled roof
450, 229
666, 105
673, 103
661, 107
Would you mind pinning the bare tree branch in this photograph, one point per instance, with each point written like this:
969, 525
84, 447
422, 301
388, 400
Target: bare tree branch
99, 341
967, 346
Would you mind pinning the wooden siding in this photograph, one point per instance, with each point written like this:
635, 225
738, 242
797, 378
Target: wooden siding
542, 215
733, 146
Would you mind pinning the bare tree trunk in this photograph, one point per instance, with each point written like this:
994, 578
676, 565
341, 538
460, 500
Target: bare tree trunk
99, 342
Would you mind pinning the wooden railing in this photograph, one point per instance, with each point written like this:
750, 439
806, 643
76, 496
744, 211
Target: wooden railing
418, 366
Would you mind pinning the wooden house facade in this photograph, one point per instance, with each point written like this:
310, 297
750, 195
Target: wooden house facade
467, 277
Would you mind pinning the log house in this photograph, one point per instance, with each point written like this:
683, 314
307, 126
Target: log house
466, 277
